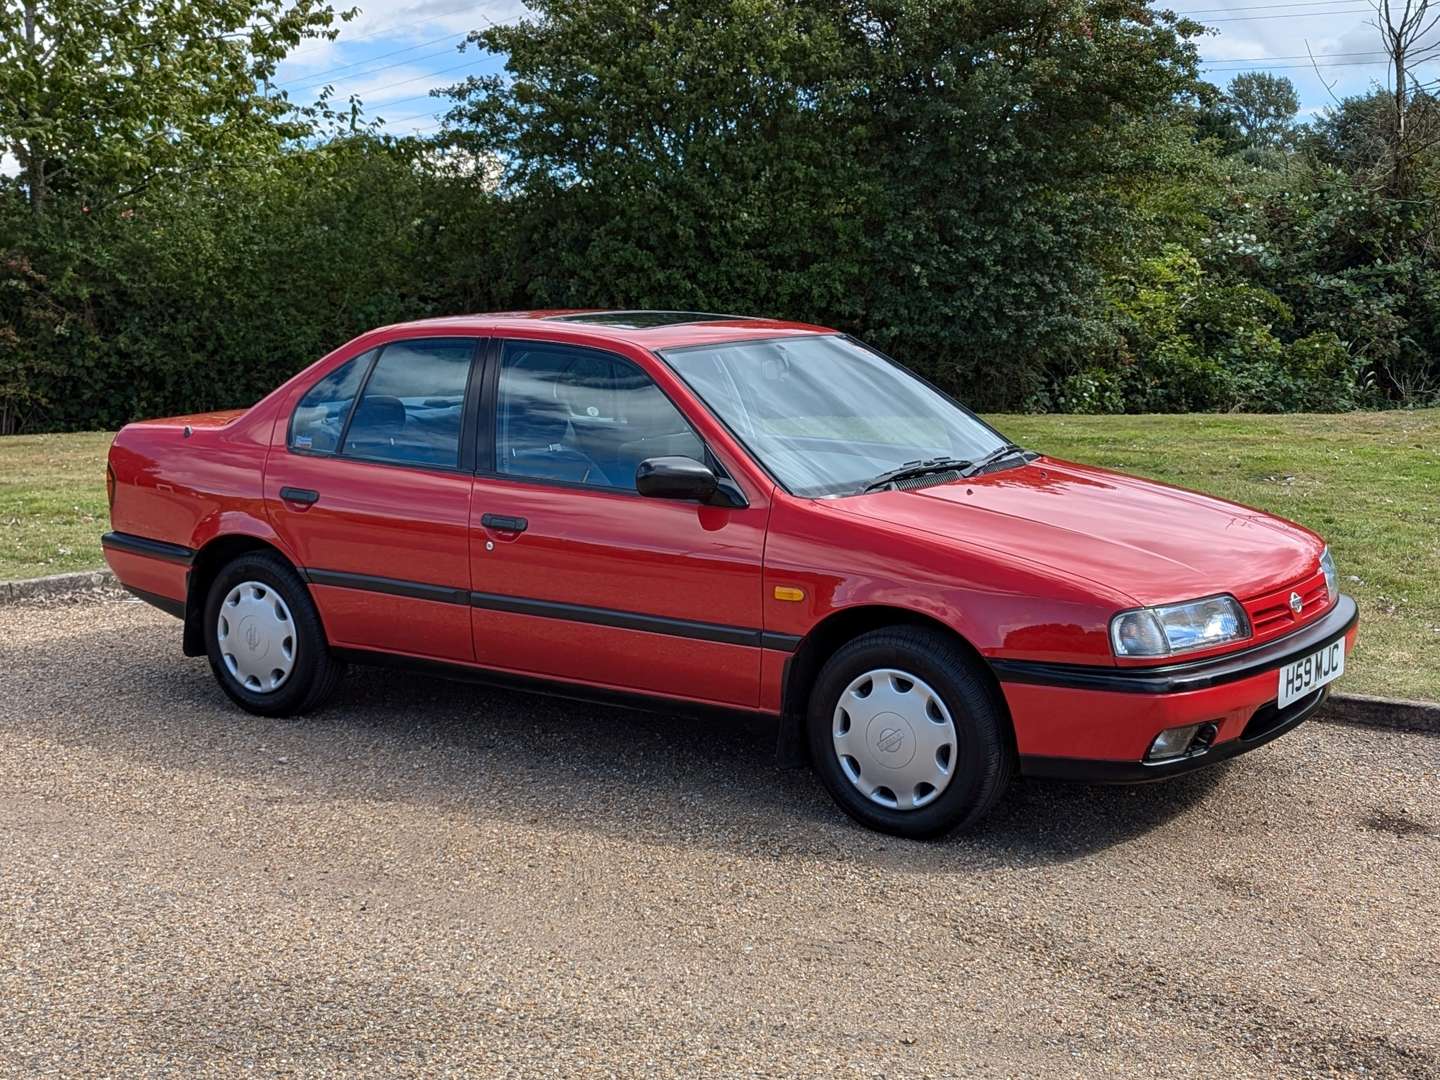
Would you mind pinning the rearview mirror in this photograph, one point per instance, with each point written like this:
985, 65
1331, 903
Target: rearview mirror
675, 478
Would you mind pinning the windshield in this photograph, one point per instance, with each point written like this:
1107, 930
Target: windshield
825, 415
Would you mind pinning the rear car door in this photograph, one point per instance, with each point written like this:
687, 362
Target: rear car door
576, 575
371, 493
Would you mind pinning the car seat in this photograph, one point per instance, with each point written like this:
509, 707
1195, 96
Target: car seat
539, 442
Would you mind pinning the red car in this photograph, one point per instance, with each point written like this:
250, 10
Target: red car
726, 512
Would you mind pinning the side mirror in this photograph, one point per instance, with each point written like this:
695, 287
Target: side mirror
675, 478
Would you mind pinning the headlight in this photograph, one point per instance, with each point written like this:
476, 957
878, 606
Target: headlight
1178, 628
1332, 580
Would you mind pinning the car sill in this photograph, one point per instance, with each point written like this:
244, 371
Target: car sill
534, 684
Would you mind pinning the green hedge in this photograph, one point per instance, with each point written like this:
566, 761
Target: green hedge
1031, 219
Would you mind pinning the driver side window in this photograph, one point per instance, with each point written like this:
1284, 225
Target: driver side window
582, 416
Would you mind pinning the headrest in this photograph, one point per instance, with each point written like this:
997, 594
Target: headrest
378, 413
537, 424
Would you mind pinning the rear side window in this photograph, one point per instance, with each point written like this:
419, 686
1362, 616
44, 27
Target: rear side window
320, 417
411, 410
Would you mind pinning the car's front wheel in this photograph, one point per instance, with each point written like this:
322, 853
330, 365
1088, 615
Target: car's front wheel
265, 640
906, 734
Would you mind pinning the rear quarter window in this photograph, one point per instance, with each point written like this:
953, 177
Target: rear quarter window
412, 410
320, 417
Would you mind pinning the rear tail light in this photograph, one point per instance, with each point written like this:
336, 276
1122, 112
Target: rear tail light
110, 486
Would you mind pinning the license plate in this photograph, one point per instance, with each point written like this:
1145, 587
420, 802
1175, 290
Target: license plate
1312, 672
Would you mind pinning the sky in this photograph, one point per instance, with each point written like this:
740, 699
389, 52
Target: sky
395, 51
1270, 35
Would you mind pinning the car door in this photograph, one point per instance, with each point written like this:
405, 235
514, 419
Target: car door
371, 492
577, 576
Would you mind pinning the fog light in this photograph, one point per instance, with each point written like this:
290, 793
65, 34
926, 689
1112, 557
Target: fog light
1172, 743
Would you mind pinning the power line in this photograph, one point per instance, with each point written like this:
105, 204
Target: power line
401, 101
1293, 56
428, 17
418, 78
322, 75
1266, 7
318, 79
1292, 15
414, 116
1306, 67
1217, 65
311, 82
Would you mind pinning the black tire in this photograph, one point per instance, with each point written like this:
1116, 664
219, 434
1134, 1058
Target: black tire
984, 760
315, 673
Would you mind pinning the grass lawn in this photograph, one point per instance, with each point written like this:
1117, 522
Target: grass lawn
1369, 482
52, 503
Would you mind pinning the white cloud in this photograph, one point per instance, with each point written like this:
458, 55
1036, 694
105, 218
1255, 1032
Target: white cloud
1231, 47
392, 54
404, 23
1345, 45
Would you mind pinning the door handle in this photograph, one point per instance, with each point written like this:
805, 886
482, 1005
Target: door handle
504, 523
302, 496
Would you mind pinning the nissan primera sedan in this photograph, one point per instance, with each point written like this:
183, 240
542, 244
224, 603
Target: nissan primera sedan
761, 516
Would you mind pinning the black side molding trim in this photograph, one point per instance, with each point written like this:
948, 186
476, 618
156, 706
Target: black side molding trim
780, 642
390, 586
554, 609
1194, 674
624, 620
154, 549
529, 684
1091, 771
164, 603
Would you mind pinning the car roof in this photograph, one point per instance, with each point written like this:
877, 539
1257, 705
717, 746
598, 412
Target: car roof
648, 328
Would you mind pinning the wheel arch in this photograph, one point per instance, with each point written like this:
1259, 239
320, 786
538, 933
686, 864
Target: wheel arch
208, 562
831, 634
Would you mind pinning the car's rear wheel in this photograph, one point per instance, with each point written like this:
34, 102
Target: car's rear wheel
265, 640
906, 734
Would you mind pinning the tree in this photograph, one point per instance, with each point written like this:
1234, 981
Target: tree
1264, 108
103, 96
940, 178
1408, 36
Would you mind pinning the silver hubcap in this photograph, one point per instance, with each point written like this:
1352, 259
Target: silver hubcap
895, 739
257, 637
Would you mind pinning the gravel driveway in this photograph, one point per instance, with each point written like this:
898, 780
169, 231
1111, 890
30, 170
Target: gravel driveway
433, 879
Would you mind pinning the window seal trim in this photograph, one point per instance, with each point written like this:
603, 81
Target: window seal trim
490, 426
359, 396
465, 459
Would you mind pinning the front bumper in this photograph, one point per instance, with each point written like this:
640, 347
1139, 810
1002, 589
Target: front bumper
1097, 723
1266, 724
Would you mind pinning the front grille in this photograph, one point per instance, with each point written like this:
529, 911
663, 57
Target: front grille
1270, 614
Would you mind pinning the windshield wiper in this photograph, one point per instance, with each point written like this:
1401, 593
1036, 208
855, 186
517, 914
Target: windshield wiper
998, 454
916, 468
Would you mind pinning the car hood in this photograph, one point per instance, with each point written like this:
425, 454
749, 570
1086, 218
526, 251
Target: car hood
1152, 542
